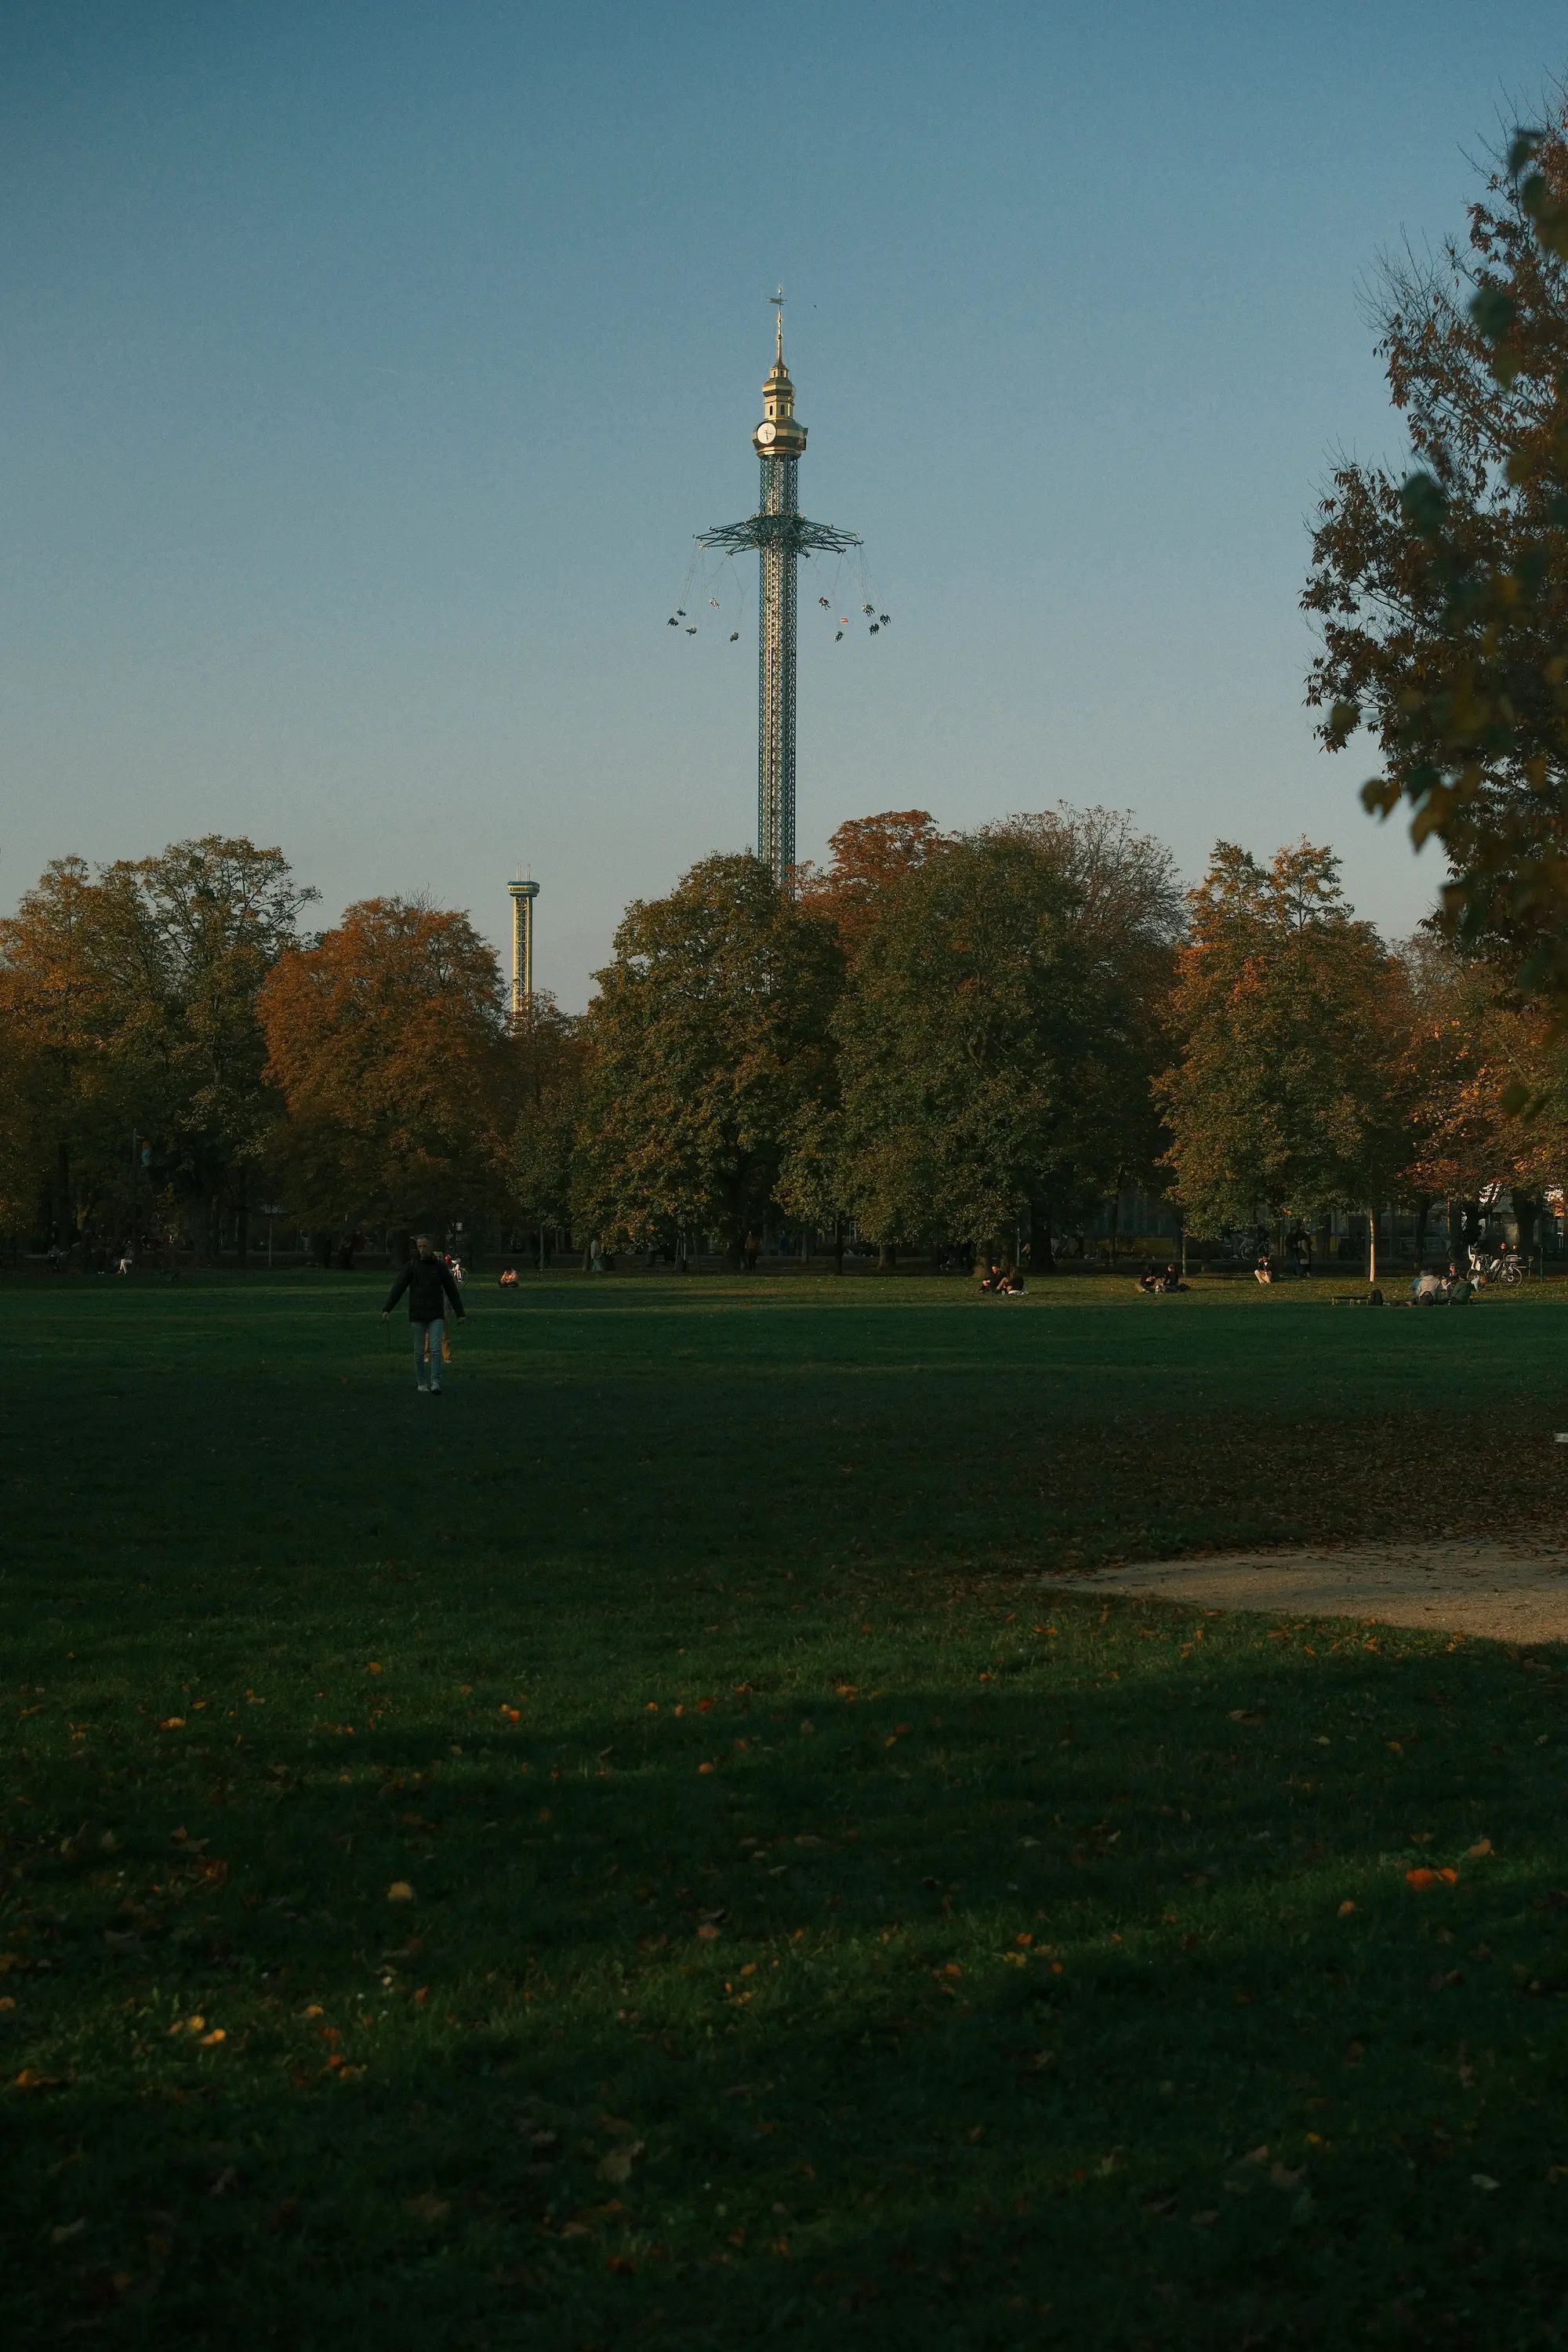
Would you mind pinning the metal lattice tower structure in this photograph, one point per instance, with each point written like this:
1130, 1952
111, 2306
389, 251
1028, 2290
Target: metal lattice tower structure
522, 895
781, 534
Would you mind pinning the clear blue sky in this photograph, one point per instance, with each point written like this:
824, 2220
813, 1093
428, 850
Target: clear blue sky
367, 369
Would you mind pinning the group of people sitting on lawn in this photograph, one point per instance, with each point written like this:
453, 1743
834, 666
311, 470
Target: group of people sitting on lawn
1003, 1279
1450, 1289
1151, 1283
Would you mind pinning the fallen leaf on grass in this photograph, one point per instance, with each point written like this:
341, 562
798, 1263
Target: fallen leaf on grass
30, 2080
1484, 2180
706, 1933
1481, 1846
68, 2230
1420, 1879
400, 1891
618, 2166
209, 2041
1450, 1976
426, 2209
1345, 1909
1282, 2177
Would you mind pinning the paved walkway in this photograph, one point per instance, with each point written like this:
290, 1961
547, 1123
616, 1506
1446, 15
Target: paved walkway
1509, 1592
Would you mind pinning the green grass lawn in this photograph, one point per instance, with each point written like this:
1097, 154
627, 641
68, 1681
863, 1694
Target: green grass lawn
817, 1928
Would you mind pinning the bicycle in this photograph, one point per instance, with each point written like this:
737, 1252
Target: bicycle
1505, 1268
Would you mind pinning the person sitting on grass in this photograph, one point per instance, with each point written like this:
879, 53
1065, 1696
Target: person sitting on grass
1012, 1282
1426, 1290
1458, 1289
1264, 1270
1170, 1280
427, 1280
991, 1277
508, 1278
1148, 1282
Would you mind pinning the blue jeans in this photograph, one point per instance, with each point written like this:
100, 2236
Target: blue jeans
434, 1332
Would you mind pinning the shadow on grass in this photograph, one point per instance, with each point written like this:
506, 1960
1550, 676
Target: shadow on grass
960, 2018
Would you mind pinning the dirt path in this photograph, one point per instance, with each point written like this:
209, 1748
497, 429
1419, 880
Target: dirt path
1506, 1591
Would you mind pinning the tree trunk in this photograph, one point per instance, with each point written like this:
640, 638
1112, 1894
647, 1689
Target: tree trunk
1042, 1254
1526, 1218
61, 1210
1423, 1211
1464, 1230
242, 1225
886, 1258
837, 1245
203, 1224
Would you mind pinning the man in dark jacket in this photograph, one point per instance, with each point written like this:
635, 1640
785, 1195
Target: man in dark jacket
429, 1286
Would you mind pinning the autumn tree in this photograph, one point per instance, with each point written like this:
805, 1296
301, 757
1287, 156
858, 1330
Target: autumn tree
1442, 591
387, 1042
64, 1091
1475, 1049
707, 1038
549, 1055
1283, 1095
128, 1001
871, 855
994, 1037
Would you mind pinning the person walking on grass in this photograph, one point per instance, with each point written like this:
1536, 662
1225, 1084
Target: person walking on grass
429, 1282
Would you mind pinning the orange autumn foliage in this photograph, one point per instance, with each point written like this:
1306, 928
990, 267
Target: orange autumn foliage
387, 1041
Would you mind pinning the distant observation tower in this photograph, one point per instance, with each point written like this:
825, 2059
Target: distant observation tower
781, 534
522, 895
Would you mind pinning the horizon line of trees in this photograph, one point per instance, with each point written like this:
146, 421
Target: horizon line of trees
937, 1040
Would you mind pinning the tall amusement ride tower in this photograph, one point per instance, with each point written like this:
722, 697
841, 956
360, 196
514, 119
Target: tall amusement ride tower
781, 534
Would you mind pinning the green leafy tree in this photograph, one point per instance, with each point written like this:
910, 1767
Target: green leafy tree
1286, 1013
552, 1071
995, 1038
707, 1038
1443, 593
191, 936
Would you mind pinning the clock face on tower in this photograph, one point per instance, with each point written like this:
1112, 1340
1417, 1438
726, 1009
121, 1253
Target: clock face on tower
766, 433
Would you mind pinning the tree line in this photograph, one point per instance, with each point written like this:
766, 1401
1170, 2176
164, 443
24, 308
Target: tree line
936, 1041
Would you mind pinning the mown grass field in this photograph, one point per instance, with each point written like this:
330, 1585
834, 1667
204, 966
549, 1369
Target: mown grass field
819, 1930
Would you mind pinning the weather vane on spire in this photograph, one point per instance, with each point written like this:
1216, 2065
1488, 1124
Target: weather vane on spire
777, 299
